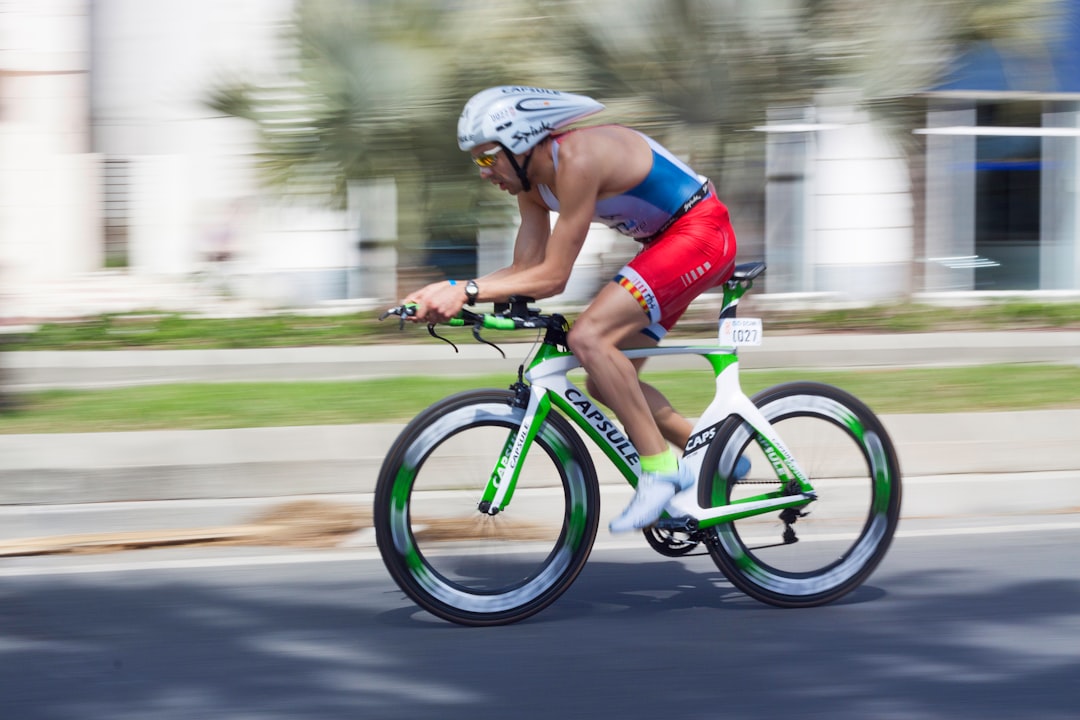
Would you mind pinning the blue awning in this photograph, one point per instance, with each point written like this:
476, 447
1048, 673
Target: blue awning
993, 68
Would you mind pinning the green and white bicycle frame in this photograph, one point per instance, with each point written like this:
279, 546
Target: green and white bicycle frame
548, 386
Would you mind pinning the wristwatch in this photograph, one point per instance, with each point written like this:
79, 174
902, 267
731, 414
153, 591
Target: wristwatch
472, 291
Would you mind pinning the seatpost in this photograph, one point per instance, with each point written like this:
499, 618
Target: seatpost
734, 289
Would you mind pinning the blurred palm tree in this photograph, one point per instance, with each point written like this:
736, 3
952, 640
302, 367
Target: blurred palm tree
367, 90
373, 89
701, 73
705, 69
370, 89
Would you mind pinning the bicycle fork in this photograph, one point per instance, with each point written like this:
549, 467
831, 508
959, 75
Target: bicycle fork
503, 479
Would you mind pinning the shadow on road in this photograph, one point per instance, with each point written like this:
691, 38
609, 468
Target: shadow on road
632, 640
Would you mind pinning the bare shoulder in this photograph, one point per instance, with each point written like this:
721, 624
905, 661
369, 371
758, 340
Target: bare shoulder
601, 140
618, 155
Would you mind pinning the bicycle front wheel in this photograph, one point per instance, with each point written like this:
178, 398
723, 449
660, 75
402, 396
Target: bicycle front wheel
465, 565
802, 558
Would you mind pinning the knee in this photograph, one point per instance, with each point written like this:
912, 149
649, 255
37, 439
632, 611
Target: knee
580, 340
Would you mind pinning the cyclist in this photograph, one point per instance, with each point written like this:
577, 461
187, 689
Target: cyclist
620, 177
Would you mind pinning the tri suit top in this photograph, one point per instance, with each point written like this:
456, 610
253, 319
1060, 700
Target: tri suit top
645, 210
688, 242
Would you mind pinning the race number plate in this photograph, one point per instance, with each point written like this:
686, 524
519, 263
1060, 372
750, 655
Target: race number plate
737, 332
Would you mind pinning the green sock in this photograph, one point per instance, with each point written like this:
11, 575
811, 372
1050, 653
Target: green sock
666, 463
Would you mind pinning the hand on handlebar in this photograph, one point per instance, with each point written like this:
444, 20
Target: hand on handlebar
408, 311
438, 302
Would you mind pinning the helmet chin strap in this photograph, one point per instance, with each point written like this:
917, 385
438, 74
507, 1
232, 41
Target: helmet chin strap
521, 170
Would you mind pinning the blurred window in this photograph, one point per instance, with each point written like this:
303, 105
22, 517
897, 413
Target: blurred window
1008, 177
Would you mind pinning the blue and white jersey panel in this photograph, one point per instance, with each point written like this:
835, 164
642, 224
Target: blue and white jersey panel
642, 211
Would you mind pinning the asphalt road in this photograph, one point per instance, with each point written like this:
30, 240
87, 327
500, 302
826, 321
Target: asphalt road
966, 618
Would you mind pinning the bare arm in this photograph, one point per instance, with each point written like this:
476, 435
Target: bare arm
544, 256
543, 259
532, 237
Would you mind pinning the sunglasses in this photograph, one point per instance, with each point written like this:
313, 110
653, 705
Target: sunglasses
487, 159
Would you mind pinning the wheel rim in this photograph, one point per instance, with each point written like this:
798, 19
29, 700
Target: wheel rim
849, 542
442, 569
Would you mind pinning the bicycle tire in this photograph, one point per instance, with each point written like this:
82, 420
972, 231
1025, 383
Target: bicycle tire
467, 566
848, 456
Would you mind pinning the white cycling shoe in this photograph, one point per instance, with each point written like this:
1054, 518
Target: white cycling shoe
653, 494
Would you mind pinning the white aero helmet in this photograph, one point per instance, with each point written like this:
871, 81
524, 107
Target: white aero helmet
519, 117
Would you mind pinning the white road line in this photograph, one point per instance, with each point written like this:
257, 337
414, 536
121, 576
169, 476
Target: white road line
988, 529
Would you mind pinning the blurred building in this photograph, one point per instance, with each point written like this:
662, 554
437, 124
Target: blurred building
996, 210
110, 160
49, 181
1002, 159
840, 220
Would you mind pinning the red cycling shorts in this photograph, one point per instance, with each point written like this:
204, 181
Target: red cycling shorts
696, 253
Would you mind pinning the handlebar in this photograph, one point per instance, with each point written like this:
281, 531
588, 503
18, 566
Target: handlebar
514, 315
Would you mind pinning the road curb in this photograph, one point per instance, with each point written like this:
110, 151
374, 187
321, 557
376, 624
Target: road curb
260, 462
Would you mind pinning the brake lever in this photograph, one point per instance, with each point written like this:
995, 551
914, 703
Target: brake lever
406, 311
476, 334
432, 333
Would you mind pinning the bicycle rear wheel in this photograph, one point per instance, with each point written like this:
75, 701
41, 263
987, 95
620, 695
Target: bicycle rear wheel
790, 559
465, 565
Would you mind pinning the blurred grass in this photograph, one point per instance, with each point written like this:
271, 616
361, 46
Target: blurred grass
914, 317
234, 405
179, 332
212, 406
152, 330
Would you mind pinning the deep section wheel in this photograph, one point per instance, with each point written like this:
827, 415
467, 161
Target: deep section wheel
463, 564
816, 554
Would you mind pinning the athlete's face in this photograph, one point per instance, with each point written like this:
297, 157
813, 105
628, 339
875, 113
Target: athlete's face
496, 168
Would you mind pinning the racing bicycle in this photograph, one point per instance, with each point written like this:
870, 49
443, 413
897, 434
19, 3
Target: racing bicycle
488, 502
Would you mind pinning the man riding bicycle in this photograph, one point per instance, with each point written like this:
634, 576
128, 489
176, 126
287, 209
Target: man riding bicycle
617, 176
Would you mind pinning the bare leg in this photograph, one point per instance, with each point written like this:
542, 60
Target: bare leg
613, 320
674, 427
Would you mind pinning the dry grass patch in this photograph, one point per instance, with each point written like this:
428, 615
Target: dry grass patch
311, 524
301, 523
